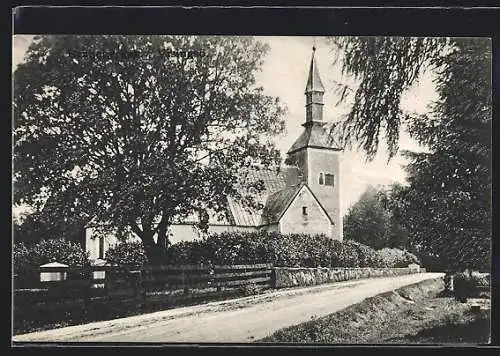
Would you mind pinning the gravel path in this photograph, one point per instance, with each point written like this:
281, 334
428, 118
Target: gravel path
237, 320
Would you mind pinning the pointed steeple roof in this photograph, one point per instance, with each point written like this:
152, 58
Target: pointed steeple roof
315, 134
314, 81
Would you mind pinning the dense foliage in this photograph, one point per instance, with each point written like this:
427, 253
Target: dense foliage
293, 250
375, 219
448, 202
367, 221
393, 257
27, 260
385, 68
471, 285
127, 253
136, 131
446, 208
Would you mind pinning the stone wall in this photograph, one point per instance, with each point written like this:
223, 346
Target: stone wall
285, 277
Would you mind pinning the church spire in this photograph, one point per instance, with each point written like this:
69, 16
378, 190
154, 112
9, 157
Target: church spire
314, 81
314, 93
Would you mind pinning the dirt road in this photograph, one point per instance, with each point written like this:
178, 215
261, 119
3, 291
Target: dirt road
237, 320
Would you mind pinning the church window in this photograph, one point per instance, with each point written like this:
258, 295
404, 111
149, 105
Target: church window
304, 210
321, 179
329, 179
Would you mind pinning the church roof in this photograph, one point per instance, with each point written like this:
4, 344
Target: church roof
278, 202
314, 81
273, 180
315, 136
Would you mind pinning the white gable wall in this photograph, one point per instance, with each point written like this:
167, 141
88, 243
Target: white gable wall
315, 222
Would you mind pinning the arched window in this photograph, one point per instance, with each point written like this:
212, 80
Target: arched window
321, 179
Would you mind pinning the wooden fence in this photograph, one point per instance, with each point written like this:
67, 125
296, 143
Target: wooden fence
144, 282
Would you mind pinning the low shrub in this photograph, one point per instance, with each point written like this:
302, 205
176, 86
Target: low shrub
433, 263
470, 284
345, 254
249, 289
130, 253
393, 257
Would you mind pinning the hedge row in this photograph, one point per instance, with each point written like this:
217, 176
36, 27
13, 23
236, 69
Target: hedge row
293, 250
27, 260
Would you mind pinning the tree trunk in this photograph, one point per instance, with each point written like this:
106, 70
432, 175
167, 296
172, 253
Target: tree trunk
155, 254
162, 240
151, 249
155, 251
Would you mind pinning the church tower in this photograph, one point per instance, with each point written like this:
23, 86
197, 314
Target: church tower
316, 153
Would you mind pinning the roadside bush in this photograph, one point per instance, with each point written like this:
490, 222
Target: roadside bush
127, 253
367, 256
470, 284
433, 263
393, 257
346, 255
249, 289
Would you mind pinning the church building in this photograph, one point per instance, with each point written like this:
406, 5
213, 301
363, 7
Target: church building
301, 196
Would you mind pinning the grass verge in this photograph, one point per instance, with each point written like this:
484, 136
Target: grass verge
414, 314
45, 316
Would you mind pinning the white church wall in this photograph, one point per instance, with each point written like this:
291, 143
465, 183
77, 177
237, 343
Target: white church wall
178, 233
92, 243
188, 232
315, 221
327, 162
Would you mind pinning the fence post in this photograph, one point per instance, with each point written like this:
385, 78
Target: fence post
211, 272
47, 275
185, 281
137, 281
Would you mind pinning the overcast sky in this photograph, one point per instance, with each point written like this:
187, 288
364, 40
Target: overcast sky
284, 74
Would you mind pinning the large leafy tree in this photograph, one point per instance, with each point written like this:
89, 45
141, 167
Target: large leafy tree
446, 207
375, 219
367, 221
132, 132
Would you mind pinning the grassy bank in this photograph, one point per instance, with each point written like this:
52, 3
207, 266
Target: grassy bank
413, 314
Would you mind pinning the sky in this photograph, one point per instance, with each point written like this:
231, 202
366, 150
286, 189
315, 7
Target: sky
284, 74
